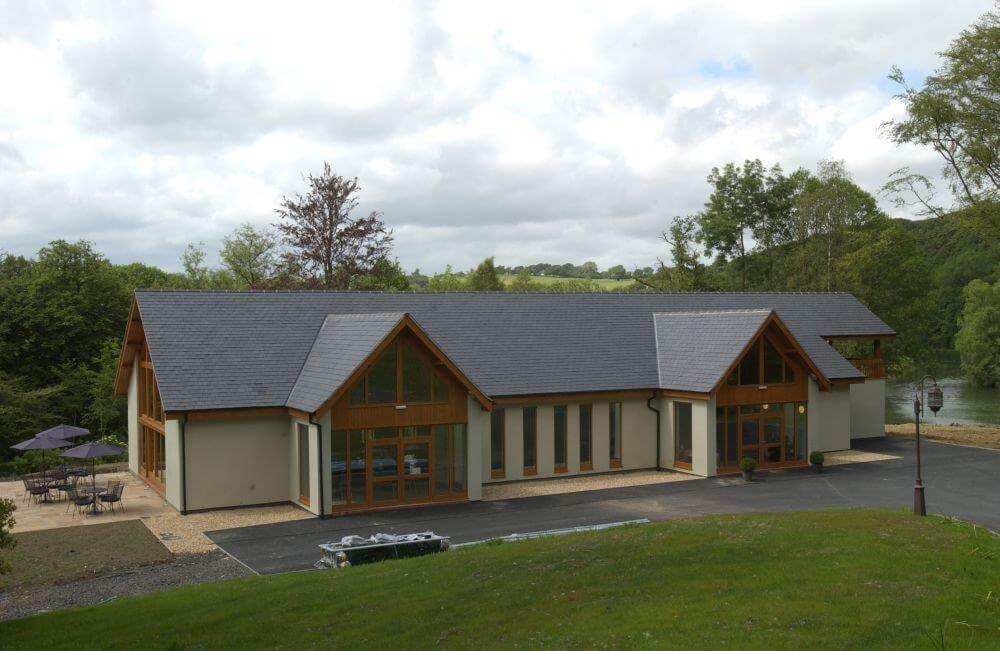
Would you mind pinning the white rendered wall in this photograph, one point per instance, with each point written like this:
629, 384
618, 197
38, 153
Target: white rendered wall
829, 419
173, 473
868, 409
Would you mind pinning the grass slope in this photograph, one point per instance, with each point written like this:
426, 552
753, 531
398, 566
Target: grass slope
72, 553
606, 284
840, 578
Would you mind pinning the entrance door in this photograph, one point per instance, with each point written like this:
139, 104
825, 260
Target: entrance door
761, 438
399, 460
152, 457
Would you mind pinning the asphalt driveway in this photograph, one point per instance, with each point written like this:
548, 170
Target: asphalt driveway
961, 481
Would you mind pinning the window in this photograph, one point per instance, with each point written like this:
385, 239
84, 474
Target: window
726, 437
497, 443
682, 435
586, 438
401, 374
762, 364
615, 434
529, 417
303, 432
559, 434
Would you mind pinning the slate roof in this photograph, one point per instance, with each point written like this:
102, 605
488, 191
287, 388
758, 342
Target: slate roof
214, 350
695, 349
342, 344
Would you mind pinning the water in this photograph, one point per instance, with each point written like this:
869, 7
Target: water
963, 403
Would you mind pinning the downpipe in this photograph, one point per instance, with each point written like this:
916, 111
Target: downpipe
659, 435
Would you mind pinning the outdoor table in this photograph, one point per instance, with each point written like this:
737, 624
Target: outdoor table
96, 491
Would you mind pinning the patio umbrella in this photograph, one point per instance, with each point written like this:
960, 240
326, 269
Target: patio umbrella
40, 443
92, 451
64, 432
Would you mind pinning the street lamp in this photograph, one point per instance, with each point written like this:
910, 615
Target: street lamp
935, 399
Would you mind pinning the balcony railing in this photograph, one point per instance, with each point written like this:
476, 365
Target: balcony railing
872, 367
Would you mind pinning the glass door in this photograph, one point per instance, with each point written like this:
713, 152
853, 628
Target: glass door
761, 438
384, 461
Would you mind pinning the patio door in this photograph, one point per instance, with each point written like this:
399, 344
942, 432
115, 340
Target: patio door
152, 457
399, 459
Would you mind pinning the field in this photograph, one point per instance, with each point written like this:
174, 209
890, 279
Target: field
605, 284
835, 578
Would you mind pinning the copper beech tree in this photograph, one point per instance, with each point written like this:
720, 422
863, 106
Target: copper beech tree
329, 247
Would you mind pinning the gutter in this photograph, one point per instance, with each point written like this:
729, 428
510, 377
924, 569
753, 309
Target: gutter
659, 434
182, 423
319, 461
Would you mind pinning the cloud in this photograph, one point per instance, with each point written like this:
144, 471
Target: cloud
529, 131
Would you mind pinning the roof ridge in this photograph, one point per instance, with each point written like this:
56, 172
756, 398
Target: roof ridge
251, 292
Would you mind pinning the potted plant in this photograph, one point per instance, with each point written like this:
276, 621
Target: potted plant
816, 459
747, 465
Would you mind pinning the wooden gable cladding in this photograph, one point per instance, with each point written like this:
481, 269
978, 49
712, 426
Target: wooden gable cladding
797, 391
133, 343
344, 415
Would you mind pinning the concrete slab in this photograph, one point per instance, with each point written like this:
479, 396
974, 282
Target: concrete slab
962, 482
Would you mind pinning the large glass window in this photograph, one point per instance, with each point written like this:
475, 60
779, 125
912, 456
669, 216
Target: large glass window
529, 434
421, 380
750, 365
358, 466
559, 436
615, 434
762, 364
586, 437
459, 455
773, 364
338, 467
303, 435
497, 443
683, 451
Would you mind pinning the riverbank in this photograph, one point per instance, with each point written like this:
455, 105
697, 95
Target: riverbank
984, 436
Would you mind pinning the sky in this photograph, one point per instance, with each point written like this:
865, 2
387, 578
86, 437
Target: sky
532, 132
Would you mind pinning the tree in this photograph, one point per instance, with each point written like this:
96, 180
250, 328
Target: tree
832, 204
589, 270
249, 254
449, 281
957, 114
325, 239
25, 411
105, 412
386, 275
736, 210
524, 283
7, 508
617, 272
193, 261
484, 278
978, 338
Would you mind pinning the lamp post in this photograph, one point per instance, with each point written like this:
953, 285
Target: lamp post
935, 398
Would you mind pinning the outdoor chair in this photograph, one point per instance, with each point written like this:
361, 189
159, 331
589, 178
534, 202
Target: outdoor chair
79, 501
37, 489
65, 486
26, 480
114, 495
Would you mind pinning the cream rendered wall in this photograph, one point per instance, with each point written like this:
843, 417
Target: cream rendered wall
868, 409
293, 465
173, 472
666, 407
703, 437
477, 437
132, 415
234, 462
829, 419
638, 440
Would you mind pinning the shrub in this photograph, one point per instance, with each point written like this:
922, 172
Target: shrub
816, 458
7, 508
748, 464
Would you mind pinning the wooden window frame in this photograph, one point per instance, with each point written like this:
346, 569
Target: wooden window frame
302, 433
526, 470
437, 369
615, 462
502, 471
586, 465
786, 365
686, 465
557, 467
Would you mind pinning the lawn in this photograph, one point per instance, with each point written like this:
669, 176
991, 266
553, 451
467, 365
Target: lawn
834, 578
70, 553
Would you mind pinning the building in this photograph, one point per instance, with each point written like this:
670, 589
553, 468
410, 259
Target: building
346, 401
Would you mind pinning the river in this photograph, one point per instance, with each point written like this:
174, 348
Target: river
963, 403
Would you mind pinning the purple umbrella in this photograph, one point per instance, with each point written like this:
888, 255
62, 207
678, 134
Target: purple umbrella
64, 432
40, 443
91, 451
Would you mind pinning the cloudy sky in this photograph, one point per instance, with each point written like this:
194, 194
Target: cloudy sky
532, 131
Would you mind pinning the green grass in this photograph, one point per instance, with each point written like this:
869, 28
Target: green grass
836, 578
70, 553
606, 284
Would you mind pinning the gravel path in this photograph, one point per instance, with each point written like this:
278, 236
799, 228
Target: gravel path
187, 569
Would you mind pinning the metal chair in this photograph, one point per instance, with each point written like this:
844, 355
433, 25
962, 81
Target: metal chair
68, 484
114, 495
37, 488
79, 501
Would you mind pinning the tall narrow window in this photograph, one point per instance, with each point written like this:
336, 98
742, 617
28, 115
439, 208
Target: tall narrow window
586, 438
338, 467
682, 435
497, 446
772, 363
615, 434
382, 379
530, 431
559, 436
303, 431
750, 366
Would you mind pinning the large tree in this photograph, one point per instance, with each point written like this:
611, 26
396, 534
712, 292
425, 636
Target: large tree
485, 279
250, 255
978, 338
957, 113
327, 242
